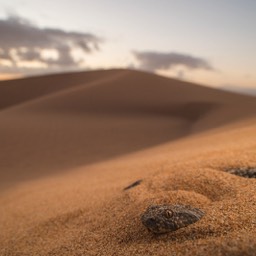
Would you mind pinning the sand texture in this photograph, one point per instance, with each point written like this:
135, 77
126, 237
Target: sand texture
71, 143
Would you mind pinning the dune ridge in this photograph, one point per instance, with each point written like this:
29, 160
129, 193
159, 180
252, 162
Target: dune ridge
14, 92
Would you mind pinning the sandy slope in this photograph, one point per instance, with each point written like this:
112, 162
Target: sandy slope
108, 132
13, 92
88, 213
58, 122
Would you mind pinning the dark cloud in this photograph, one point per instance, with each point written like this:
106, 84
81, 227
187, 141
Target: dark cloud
5, 54
21, 40
29, 55
153, 61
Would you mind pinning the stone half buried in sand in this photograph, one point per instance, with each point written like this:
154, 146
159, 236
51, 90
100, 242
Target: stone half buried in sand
246, 172
161, 219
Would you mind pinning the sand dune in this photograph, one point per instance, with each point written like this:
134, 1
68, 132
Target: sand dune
88, 213
13, 92
58, 122
100, 131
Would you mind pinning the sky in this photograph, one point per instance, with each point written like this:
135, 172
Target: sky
207, 42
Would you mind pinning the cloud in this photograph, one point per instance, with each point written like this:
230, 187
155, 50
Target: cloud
153, 61
23, 42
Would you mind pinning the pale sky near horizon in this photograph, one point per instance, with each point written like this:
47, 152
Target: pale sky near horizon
209, 42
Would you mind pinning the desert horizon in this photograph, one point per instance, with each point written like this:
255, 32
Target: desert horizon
127, 129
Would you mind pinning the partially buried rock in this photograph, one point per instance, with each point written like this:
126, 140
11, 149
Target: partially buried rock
161, 219
246, 172
134, 184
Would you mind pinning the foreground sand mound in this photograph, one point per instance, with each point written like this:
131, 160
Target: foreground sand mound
89, 213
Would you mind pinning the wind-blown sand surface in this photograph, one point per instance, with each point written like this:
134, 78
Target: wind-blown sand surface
70, 147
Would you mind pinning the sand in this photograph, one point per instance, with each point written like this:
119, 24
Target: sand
69, 150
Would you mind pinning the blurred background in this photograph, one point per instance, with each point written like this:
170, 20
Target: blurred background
208, 42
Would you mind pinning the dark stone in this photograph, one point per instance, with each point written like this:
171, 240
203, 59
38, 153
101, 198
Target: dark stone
134, 184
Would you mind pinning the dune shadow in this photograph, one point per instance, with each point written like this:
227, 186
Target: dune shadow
46, 144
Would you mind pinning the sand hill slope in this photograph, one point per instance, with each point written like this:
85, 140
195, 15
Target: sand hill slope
13, 92
57, 122
87, 212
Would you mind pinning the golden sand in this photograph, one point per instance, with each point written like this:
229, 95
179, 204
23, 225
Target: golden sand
85, 211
